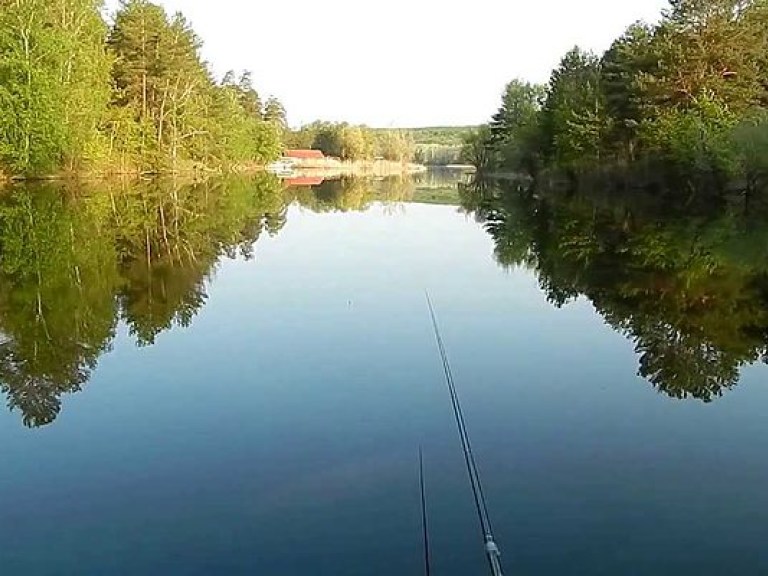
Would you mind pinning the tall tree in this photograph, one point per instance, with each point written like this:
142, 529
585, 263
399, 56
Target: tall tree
712, 48
274, 112
53, 83
514, 129
625, 65
395, 145
478, 150
573, 117
237, 133
181, 118
136, 40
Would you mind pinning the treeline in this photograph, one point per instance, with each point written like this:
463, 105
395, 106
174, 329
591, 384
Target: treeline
351, 142
440, 145
438, 154
690, 92
441, 135
78, 94
432, 146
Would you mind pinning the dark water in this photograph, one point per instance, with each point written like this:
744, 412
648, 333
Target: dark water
235, 378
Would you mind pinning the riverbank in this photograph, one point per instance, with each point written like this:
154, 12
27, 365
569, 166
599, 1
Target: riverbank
192, 172
328, 168
334, 166
381, 168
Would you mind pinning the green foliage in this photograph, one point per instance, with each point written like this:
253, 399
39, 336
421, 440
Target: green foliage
477, 149
302, 139
698, 137
441, 145
450, 136
53, 84
181, 117
573, 117
328, 138
238, 135
355, 143
676, 91
623, 67
750, 141
439, 154
274, 113
514, 137
714, 47
436, 146
395, 145
76, 96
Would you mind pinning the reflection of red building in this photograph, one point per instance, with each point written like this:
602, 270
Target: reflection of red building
304, 154
305, 181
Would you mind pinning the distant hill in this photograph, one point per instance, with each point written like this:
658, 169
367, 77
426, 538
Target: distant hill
436, 135
440, 135
436, 145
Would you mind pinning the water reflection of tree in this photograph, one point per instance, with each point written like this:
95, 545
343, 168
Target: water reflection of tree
349, 194
173, 238
74, 261
688, 285
57, 309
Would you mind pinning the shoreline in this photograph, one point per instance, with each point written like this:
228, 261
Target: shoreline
101, 175
367, 168
356, 167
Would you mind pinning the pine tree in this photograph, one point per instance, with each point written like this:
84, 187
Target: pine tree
274, 112
573, 117
182, 118
628, 61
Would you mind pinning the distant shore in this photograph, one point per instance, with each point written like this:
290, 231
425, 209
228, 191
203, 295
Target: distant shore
328, 166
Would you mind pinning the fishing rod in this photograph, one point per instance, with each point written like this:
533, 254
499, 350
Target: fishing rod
424, 525
481, 506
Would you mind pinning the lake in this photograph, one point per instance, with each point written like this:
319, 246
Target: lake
235, 377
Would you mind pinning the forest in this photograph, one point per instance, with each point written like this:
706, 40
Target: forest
440, 145
686, 95
80, 94
352, 142
83, 92
436, 146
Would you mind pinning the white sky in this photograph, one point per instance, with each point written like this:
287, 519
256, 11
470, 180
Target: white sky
403, 63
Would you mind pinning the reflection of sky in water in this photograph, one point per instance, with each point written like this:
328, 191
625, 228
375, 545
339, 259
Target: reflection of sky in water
278, 434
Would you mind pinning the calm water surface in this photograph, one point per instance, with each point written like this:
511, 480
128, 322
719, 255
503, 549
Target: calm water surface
245, 374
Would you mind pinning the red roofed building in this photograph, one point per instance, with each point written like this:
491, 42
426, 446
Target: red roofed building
305, 181
304, 154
